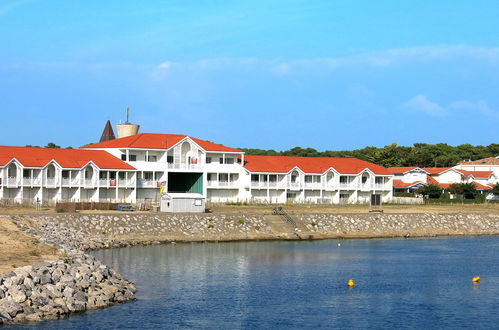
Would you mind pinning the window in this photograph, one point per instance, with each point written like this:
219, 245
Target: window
132, 158
378, 180
169, 159
229, 160
27, 173
65, 174
221, 160
123, 157
343, 179
254, 177
148, 175
152, 158
308, 178
208, 160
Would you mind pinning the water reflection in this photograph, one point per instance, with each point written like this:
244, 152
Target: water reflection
415, 283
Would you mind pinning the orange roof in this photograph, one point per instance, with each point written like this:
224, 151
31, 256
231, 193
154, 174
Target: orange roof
283, 164
483, 161
67, 158
401, 184
401, 170
476, 174
435, 170
431, 180
479, 186
157, 141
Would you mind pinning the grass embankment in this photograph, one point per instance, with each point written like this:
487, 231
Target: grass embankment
20, 249
349, 208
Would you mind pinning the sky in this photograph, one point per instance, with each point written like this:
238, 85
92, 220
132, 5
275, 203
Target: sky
269, 74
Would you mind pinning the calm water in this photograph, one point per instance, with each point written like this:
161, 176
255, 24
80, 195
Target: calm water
401, 283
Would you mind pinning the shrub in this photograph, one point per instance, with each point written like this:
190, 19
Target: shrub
431, 190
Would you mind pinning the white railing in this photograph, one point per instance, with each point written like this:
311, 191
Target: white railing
51, 182
348, 186
183, 166
12, 181
27, 181
316, 185
222, 184
75, 181
66, 182
89, 183
142, 183
294, 184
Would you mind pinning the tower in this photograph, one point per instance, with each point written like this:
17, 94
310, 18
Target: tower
108, 133
127, 129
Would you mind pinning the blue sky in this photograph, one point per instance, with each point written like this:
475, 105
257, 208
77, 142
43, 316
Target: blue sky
264, 74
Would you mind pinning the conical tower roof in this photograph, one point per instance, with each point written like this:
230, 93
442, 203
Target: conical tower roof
108, 133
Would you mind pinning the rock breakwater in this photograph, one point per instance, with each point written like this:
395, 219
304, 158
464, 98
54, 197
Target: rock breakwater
55, 289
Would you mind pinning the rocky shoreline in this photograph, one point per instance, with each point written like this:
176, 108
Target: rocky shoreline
79, 282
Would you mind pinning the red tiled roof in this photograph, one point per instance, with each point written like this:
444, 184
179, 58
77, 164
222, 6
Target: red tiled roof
480, 186
157, 141
483, 161
435, 170
476, 174
67, 158
283, 164
401, 170
431, 180
401, 184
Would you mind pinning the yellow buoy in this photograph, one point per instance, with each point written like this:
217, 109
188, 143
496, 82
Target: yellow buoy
351, 283
475, 279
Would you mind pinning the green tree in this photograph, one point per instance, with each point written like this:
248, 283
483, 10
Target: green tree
431, 190
52, 145
466, 190
495, 190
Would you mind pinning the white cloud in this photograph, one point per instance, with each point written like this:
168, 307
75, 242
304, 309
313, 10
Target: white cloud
422, 104
480, 107
165, 65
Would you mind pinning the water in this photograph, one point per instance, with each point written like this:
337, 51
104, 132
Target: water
400, 283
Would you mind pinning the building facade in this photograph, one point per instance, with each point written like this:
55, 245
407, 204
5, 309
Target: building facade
133, 168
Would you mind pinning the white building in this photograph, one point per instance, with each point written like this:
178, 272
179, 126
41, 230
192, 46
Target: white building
29, 174
131, 169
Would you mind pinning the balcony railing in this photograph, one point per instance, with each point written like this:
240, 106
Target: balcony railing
183, 166
51, 182
89, 183
221, 184
313, 185
29, 181
12, 181
143, 183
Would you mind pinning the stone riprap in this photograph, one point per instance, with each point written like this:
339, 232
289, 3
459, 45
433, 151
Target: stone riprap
55, 289
398, 225
96, 231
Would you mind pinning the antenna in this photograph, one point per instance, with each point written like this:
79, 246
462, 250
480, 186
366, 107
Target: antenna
127, 110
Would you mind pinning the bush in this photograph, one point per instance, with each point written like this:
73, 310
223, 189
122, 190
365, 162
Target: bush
431, 190
404, 194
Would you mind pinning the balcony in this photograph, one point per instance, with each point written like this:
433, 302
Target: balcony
51, 182
29, 181
313, 185
183, 166
348, 186
12, 181
145, 183
221, 184
89, 183
294, 185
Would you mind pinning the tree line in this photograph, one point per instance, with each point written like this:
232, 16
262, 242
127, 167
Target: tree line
420, 154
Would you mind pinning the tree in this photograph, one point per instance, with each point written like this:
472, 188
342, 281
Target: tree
495, 190
466, 190
52, 145
431, 190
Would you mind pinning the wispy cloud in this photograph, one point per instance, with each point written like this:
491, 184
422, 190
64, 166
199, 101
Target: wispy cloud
381, 59
421, 103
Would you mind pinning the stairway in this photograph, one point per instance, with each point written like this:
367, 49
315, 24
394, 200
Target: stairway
281, 222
